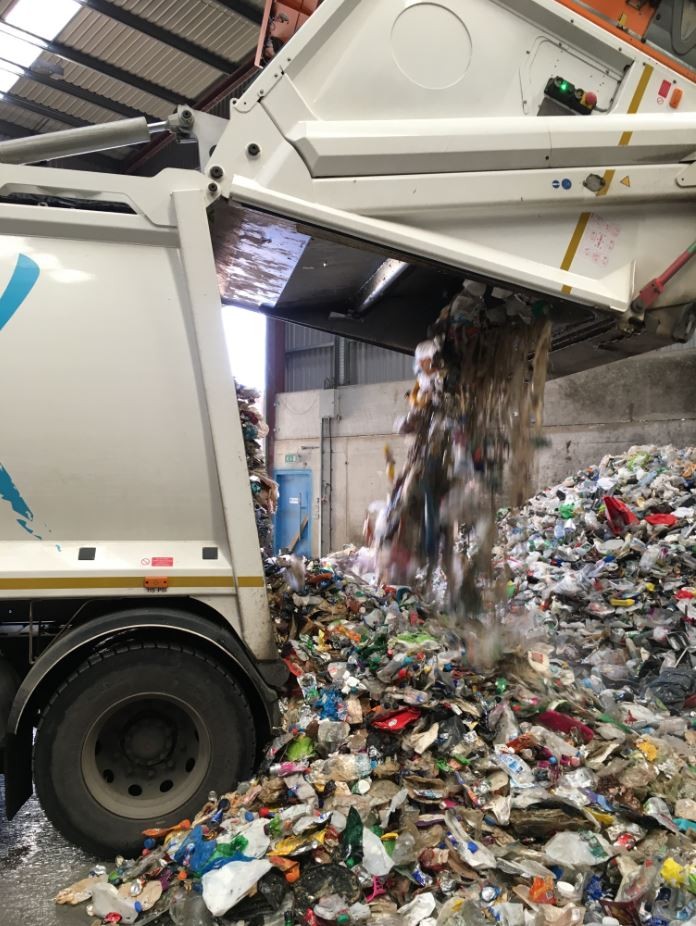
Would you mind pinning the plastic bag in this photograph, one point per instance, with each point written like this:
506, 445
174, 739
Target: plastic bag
224, 888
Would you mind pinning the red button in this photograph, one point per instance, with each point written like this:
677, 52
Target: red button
664, 88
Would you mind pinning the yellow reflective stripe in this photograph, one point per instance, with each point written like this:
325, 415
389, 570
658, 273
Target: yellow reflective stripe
573, 245
625, 139
55, 583
637, 98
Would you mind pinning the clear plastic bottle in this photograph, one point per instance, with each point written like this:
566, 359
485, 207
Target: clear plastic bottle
106, 899
405, 850
348, 767
386, 673
331, 734
187, 908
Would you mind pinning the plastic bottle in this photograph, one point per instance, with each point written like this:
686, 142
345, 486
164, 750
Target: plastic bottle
636, 885
405, 850
348, 768
187, 908
376, 859
386, 673
331, 734
331, 907
106, 899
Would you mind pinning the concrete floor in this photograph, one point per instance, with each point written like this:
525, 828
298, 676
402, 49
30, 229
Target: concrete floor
35, 863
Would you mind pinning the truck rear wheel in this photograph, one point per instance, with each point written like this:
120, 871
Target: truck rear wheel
137, 737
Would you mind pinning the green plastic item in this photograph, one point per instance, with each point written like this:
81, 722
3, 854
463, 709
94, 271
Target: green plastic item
607, 718
415, 638
300, 748
566, 510
229, 849
352, 838
461, 759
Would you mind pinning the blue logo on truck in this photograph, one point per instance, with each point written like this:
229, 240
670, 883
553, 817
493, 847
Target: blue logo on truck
24, 276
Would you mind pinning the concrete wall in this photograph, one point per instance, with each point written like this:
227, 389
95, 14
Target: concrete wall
364, 424
648, 399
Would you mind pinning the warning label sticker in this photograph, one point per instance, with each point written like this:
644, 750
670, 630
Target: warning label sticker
162, 561
599, 240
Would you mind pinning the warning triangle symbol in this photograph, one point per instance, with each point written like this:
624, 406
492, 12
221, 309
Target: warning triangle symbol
626, 180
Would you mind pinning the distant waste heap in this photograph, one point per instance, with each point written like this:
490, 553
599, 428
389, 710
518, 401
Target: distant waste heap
263, 488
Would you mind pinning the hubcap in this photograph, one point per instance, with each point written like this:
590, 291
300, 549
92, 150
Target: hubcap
145, 756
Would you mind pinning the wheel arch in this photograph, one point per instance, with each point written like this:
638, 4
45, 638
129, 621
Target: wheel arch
206, 632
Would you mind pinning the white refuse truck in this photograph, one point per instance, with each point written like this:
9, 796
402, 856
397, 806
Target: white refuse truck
391, 150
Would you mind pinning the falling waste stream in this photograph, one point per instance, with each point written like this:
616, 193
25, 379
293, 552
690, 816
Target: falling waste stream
491, 716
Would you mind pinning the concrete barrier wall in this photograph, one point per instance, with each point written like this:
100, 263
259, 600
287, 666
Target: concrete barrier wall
648, 399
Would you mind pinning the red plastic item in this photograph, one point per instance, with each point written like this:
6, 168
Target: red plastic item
397, 720
685, 594
541, 891
619, 515
317, 578
293, 668
668, 519
564, 723
522, 742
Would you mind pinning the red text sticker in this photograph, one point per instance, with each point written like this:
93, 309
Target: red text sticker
162, 560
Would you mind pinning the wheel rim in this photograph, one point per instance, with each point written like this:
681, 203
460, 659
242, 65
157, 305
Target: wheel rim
145, 756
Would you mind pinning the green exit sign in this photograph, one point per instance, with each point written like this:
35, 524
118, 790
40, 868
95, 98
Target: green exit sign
292, 458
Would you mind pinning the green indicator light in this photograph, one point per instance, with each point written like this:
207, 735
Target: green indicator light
564, 85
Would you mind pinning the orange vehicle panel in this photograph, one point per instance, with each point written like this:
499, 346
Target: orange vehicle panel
588, 11
281, 20
624, 14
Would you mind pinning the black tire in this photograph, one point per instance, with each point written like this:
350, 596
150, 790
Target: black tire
110, 712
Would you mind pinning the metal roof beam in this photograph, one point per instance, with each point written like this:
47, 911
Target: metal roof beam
243, 8
45, 111
13, 130
146, 26
96, 64
80, 93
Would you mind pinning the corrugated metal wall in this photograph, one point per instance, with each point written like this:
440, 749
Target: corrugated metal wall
317, 360
369, 364
309, 358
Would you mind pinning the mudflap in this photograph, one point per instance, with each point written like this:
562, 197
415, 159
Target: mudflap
18, 778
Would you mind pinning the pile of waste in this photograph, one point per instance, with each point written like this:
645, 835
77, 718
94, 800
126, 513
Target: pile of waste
263, 489
614, 547
412, 785
475, 418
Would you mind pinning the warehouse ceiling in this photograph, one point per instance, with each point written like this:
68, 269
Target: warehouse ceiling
69, 63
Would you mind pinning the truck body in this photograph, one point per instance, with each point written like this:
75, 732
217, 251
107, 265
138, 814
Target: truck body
515, 142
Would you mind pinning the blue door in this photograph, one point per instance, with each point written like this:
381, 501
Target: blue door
293, 526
